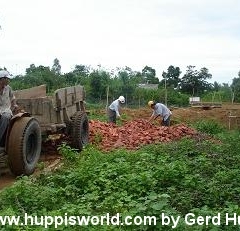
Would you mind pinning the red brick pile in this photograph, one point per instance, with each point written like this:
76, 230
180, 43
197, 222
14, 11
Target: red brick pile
134, 134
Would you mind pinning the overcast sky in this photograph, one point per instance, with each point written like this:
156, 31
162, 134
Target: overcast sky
118, 33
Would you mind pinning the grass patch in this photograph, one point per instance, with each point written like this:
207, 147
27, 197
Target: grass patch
210, 127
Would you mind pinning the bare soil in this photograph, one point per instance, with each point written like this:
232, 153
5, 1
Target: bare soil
49, 157
194, 114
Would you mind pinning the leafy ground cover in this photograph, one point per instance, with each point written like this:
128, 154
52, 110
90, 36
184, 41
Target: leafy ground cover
199, 176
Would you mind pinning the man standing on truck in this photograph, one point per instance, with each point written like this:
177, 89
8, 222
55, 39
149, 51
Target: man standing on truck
162, 110
113, 109
7, 103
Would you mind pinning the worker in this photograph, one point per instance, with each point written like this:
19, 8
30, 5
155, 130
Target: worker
113, 109
162, 110
7, 103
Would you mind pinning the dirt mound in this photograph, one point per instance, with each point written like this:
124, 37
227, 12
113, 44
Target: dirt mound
134, 134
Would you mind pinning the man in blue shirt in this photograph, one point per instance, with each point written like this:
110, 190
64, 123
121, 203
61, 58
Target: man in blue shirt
160, 109
113, 110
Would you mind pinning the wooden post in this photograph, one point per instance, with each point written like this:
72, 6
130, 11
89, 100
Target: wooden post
107, 98
165, 92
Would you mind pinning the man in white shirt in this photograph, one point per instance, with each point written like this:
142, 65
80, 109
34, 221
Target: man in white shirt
7, 103
113, 110
160, 109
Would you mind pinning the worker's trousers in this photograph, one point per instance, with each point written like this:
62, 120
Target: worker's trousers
112, 117
4, 121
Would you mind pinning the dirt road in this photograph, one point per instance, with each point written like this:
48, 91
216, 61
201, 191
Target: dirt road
49, 159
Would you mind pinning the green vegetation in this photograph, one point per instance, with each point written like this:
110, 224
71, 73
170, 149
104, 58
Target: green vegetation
103, 86
210, 127
200, 176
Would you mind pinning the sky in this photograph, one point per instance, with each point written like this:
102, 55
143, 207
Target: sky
119, 33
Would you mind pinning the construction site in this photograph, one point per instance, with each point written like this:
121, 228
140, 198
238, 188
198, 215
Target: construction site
136, 131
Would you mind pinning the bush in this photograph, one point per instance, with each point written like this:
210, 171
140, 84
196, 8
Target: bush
210, 127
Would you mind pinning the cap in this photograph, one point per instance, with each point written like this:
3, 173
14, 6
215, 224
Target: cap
121, 99
4, 74
150, 103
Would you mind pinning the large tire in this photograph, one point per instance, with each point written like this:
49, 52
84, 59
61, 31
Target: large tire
24, 146
79, 130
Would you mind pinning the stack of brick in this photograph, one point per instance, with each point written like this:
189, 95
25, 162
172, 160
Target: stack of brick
134, 134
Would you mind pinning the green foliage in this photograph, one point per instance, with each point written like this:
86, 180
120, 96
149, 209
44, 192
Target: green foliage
176, 98
195, 176
210, 127
171, 78
235, 86
36, 76
195, 82
56, 68
216, 97
69, 154
150, 75
98, 83
124, 81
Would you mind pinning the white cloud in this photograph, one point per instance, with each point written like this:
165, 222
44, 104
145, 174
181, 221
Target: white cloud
133, 33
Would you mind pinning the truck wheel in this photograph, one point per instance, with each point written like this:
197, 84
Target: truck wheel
24, 146
79, 130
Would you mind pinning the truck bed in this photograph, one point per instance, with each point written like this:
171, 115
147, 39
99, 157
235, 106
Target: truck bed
52, 111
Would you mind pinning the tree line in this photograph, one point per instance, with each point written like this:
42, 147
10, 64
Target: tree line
101, 84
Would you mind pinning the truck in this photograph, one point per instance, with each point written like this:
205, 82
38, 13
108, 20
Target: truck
40, 114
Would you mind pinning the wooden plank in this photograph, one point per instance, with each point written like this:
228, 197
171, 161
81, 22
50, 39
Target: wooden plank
37, 106
70, 96
66, 97
80, 93
59, 97
25, 104
30, 93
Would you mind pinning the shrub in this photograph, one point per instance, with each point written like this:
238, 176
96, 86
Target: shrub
210, 127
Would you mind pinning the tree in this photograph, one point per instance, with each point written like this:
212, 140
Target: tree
79, 75
98, 82
56, 68
81, 70
41, 75
216, 86
194, 82
203, 76
127, 87
31, 69
171, 77
150, 75
235, 86
138, 78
